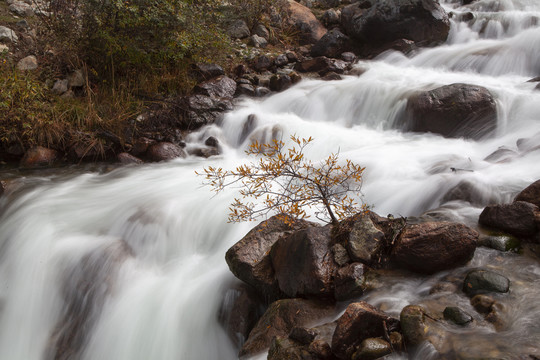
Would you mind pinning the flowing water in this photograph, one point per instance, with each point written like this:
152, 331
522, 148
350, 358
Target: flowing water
129, 264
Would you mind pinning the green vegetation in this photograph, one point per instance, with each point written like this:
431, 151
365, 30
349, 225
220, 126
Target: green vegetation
288, 183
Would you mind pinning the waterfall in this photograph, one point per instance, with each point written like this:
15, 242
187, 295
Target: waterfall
129, 264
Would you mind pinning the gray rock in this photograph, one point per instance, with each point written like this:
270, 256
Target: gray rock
261, 31
518, 218
332, 44
485, 281
257, 41
6, 34
220, 87
21, 9
341, 257
60, 86
281, 60
76, 79
27, 63
4, 48
238, 30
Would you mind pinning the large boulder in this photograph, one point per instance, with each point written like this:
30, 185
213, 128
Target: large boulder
322, 65
280, 318
207, 71
199, 110
360, 321
332, 44
39, 156
518, 218
456, 110
377, 23
304, 264
530, 194
434, 246
303, 20
220, 87
249, 259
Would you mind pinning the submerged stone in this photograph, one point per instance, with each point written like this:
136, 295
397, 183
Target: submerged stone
485, 281
456, 315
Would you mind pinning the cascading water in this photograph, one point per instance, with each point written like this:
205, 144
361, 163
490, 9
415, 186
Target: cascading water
130, 265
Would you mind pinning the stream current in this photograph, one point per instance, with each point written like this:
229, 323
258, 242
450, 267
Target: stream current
129, 264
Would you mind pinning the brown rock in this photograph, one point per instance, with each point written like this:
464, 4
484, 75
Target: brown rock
456, 110
303, 20
163, 151
280, 318
322, 65
530, 194
517, 218
349, 282
434, 246
359, 322
127, 159
249, 259
39, 156
303, 262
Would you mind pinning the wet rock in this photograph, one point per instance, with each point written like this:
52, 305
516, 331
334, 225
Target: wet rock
206, 71
321, 350
331, 76
238, 30
526, 145
39, 156
377, 23
164, 151
302, 19
517, 218
482, 303
341, 257
200, 110
501, 242
261, 91
456, 110
530, 194
501, 155
350, 282
280, 318
303, 262
291, 56
475, 193
220, 87
359, 322
126, 159
8, 35
212, 142
240, 311
456, 315
204, 152
492, 310
28, 63
364, 241
262, 63
485, 281
245, 89
2, 188
331, 45
371, 349
348, 57
249, 259
140, 146
434, 246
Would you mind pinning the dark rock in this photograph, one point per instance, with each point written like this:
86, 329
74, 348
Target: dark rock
285, 349
280, 318
240, 311
472, 192
261, 91
291, 56
403, 45
371, 349
220, 87
200, 110
332, 44
303, 262
493, 311
302, 19
530, 194
212, 142
517, 218
348, 57
140, 146
249, 125
359, 322
330, 17
485, 281
249, 259
457, 110
295, 77
245, 89
261, 31
322, 65
126, 159
238, 30
281, 60
280, 82
321, 350
526, 145
456, 315
349, 282
377, 23
434, 246
205, 71
482, 303
204, 152
302, 335
2, 188
262, 63
331, 76
163, 151
39, 156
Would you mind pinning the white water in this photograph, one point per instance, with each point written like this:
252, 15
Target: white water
160, 299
